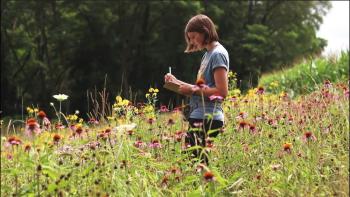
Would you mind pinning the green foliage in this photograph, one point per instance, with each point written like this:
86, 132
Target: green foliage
71, 46
306, 77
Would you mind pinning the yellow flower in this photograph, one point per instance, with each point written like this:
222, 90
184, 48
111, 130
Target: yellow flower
125, 102
236, 92
36, 110
156, 90
72, 117
81, 120
30, 110
154, 94
118, 99
274, 84
110, 117
149, 108
147, 95
252, 91
230, 74
151, 90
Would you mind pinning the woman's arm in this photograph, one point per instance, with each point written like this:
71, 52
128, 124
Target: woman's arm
220, 77
221, 83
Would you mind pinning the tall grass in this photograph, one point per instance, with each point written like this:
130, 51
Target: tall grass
305, 77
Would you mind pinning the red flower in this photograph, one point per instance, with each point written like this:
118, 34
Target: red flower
56, 138
209, 143
108, 131
165, 181
31, 120
150, 121
287, 147
102, 135
130, 132
208, 176
200, 82
27, 147
243, 125
78, 130
41, 114
171, 121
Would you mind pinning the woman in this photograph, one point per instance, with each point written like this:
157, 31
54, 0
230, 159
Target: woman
211, 85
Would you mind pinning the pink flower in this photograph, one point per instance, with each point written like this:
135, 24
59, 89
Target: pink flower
32, 127
177, 109
14, 140
233, 99
216, 97
163, 108
242, 115
155, 144
46, 123
252, 128
59, 126
260, 90
308, 136
9, 156
198, 124
139, 144
93, 121
179, 135
327, 84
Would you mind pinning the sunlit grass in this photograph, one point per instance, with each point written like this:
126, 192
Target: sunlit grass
271, 146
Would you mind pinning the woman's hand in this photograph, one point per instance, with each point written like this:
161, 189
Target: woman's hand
169, 78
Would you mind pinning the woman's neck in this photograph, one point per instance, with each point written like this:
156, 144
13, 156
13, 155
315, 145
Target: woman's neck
212, 45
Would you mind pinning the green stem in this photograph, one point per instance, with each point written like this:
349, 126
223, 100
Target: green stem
59, 115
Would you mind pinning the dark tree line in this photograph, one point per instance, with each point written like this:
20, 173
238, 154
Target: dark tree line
71, 47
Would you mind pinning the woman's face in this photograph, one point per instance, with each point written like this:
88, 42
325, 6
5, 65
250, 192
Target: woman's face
196, 39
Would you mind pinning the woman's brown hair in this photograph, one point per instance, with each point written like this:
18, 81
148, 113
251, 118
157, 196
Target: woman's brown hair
200, 24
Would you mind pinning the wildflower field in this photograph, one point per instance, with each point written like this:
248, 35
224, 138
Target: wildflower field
271, 145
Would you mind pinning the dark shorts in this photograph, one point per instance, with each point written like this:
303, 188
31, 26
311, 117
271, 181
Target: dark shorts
202, 130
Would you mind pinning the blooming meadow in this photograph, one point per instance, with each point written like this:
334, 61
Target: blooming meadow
271, 145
